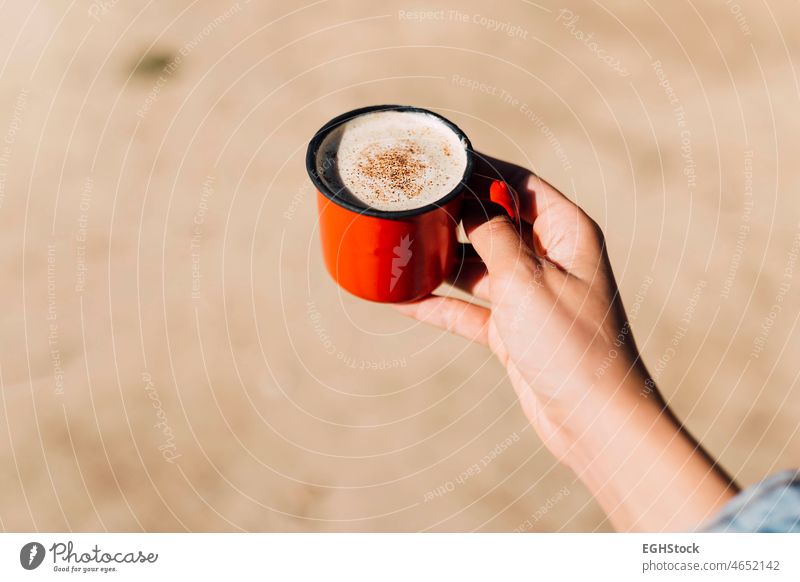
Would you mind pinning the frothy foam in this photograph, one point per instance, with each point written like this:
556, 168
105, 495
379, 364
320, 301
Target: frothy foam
392, 160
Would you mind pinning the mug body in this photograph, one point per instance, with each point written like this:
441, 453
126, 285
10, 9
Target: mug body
387, 256
388, 260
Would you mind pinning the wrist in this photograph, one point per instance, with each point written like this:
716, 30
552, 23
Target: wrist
615, 422
604, 406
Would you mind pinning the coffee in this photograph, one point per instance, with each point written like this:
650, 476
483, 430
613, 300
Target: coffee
392, 160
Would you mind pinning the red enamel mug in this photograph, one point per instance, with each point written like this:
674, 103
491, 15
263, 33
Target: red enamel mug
390, 256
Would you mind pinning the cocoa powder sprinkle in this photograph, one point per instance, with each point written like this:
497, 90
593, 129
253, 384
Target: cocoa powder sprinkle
400, 167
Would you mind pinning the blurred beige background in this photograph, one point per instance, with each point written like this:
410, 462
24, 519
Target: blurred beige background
172, 354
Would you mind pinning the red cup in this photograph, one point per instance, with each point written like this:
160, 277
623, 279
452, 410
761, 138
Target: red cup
388, 256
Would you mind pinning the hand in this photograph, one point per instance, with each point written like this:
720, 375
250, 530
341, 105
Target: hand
556, 322
555, 319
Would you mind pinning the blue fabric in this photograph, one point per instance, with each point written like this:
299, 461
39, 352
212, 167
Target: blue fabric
773, 505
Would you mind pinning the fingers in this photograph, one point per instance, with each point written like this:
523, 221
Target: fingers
542, 198
534, 194
572, 241
560, 231
453, 315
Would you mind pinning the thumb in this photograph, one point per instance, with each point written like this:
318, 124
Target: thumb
495, 238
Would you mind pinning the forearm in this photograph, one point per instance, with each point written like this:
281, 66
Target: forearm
644, 469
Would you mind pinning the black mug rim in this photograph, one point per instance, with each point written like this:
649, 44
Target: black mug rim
316, 141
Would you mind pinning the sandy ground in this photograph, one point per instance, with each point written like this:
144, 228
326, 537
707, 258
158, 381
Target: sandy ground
173, 356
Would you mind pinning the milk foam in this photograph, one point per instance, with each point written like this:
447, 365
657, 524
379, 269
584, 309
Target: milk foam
392, 160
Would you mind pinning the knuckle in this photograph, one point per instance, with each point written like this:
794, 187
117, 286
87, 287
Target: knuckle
498, 225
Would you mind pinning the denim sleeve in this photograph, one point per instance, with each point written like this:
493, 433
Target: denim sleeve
773, 505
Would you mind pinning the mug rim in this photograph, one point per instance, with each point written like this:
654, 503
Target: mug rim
319, 136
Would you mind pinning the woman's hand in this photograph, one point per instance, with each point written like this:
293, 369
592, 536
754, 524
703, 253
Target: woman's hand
556, 322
